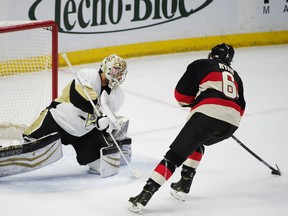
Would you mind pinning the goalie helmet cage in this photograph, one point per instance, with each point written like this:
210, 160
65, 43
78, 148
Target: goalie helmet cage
28, 72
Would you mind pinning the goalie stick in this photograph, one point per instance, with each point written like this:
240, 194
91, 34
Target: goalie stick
136, 173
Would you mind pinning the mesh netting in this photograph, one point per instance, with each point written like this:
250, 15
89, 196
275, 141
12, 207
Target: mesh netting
25, 75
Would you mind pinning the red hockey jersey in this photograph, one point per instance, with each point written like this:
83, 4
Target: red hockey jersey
212, 88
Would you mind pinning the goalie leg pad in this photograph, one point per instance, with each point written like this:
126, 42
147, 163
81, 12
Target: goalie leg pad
26, 157
108, 164
125, 146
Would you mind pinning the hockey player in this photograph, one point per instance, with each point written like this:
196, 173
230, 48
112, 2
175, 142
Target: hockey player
73, 116
214, 92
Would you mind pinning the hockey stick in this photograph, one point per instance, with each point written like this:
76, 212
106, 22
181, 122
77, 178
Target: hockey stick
136, 173
274, 171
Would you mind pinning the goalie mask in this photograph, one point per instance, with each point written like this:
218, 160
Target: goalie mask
115, 70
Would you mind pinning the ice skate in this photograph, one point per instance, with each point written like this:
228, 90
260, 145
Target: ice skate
180, 189
138, 202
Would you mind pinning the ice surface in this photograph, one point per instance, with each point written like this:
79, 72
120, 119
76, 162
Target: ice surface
229, 180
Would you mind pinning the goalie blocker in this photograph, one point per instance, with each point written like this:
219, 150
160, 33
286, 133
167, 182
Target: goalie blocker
28, 156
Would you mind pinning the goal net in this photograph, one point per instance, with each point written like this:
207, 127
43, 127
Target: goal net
28, 72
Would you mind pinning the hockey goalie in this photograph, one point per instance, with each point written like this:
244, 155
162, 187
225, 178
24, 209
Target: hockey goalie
71, 120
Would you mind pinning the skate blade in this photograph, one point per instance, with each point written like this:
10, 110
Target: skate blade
179, 195
135, 208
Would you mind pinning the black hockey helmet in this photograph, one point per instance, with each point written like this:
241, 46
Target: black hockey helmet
222, 52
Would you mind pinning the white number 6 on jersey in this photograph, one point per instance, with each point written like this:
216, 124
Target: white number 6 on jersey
229, 88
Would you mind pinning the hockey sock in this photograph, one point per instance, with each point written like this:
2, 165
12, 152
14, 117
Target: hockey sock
194, 159
163, 171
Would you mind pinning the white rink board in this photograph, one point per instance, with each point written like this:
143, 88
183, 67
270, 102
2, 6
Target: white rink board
89, 24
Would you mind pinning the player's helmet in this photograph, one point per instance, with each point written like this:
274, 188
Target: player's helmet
115, 70
222, 52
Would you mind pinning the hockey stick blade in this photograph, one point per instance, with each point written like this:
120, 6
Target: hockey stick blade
276, 172
137, 173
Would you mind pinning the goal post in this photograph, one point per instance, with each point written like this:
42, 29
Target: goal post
28, 72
